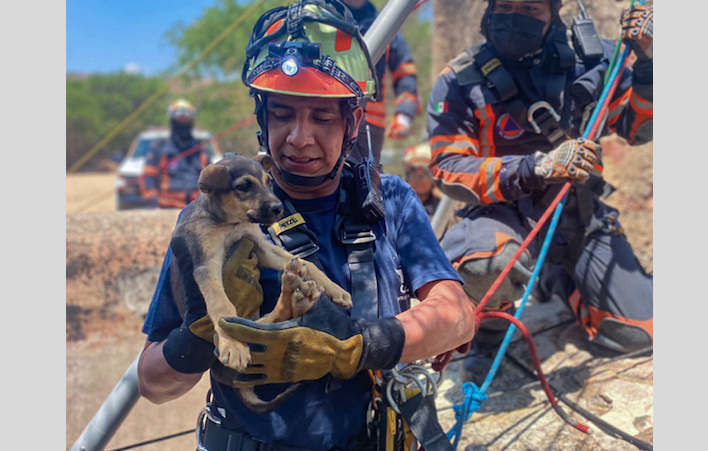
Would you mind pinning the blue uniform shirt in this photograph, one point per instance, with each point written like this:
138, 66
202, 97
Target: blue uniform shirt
322, 414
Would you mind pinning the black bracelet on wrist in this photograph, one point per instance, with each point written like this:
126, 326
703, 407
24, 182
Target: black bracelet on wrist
186, 353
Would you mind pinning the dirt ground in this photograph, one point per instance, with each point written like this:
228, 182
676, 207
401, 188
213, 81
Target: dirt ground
113, 260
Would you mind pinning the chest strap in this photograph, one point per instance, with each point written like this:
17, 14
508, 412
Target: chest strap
356, 235
351, 230
541, 117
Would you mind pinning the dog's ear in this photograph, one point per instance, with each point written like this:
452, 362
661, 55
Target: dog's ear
266, 161
214, 177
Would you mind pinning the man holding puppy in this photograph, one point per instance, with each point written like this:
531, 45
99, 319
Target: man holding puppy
308, 69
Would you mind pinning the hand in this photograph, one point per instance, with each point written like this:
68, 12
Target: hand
575, 159
638, 29
189, 349
240, 276
325, 340
400, 128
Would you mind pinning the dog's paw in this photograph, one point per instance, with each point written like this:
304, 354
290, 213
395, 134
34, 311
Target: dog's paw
297, 267
304, 297
290, 281
339, 296
232, 353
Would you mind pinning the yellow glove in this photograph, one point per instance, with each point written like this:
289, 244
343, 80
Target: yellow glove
241, 282
325, 340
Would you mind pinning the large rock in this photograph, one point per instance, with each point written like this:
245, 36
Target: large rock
112, 264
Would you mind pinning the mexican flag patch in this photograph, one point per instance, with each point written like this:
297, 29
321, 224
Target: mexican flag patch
441, 107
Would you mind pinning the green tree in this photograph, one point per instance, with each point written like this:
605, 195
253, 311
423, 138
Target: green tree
97, 103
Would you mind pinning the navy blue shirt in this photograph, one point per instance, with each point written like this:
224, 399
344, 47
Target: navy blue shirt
325, 413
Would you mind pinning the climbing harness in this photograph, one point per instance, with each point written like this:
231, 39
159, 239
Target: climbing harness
403, 415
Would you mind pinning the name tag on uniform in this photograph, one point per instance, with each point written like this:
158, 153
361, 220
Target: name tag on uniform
288, 223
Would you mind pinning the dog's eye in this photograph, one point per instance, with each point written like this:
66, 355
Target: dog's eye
243, 186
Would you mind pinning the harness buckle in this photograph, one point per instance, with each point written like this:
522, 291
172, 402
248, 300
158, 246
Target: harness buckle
356, 236
305, 250
547, 113
205, 415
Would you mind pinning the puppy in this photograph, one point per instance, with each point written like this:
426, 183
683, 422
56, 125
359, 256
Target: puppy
235, 197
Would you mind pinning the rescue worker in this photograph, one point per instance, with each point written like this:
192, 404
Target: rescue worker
309, 118
172, 172
416, 161
498, 145
399, 62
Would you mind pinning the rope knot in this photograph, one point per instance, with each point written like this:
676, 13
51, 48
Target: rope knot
472, 403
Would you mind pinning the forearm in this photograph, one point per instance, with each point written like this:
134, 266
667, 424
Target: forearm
157, 381
443, 321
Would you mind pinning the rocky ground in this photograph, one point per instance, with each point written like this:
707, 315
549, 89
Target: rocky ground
112, 263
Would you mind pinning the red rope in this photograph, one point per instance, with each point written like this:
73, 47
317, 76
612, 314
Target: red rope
537, 364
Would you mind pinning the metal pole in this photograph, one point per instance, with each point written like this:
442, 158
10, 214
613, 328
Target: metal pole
386, 25
442, 213
125, 394
112, 413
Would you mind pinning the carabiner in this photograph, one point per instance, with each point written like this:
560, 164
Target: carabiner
535, 107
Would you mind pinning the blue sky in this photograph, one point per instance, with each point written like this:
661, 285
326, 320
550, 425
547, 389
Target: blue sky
106, 36
110, 36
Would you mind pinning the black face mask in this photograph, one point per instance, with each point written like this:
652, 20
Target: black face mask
515, 35
184, 131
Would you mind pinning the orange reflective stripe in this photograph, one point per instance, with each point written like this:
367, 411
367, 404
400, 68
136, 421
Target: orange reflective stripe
343, 41
486, 119
405, 97
165, 181
375, 121
454, 144
470, 181
375, 106
149, 193
501, 241
574, 300
597, 315
641, 115
403, 70
489, 185
616, 106
445, 70
497, 171
151, 171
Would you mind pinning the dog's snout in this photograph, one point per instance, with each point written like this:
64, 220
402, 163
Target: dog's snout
276, 208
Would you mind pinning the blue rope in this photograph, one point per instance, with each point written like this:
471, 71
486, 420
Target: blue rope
475, 396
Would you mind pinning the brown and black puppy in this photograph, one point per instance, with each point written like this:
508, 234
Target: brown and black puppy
235, 197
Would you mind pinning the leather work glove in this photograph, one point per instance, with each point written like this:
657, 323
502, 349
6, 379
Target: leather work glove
400, 127
240, 276
575, 159
189, 348
325, 340
638, 29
